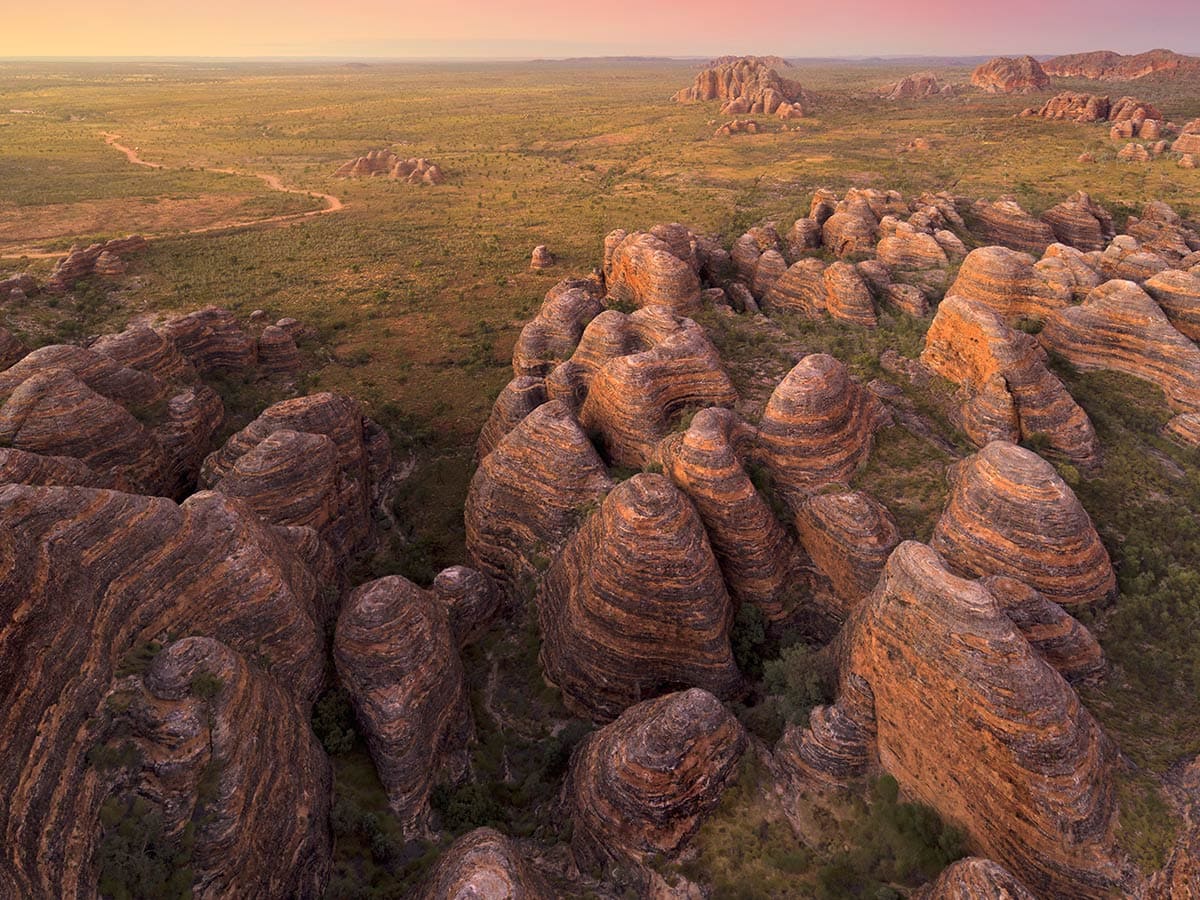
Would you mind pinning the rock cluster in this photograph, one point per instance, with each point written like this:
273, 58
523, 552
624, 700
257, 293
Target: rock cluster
1009, 75
385, 163
737, 126
655, 268
1005, 222
917, 86
747, 85
1080, 222
104, 259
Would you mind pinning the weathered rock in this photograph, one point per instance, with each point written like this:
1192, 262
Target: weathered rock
1005, 222
126, 570
11, 349
470, 599
907, 249
737, 126
748, 249
1134, 153
1178, 295
101, 259
1189, 138
974, 878
129, 387
23, 467
1025, 770
530, 493
645, 270
1105, 65
1057, 636
55, 414
853, 227
804, 235
641, 786
756, 555
847, 296
278, 356
344, 497
1119, 327
519, 398
747, 85
186, 435
1162, 231
969, 344
917, 86
1071, 266
635, 604
541, 258
991, 414
483, 864
800, 289
550, 337
1080, 222
144, 349
1075, 106
1125, 260
907, 298
398, 660
848, 536
1187, 161
385, 163
213, 341
633, 400
818, 426
1008, 75
1009, 513
1012, 284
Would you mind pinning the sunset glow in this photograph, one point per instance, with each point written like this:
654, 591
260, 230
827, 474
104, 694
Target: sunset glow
531, 28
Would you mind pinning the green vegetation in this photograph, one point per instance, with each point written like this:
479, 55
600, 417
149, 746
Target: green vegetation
136, 859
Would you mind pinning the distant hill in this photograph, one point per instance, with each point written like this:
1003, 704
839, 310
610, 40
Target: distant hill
1107, 65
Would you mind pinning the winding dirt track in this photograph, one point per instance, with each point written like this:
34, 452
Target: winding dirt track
332, 204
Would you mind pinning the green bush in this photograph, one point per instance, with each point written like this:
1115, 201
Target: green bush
802, 678
136, 860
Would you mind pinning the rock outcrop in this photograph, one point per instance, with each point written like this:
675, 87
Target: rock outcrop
648, 269
398, 660
483, 864
1080, 222
747, 85
1005, 222
100, 259
530, 493
213, 341
1177, 293
756, 554
849, 537
144, 349
917, 86
1009, 75
1188, 141
641, 786
551, 336
1024, 769
1106, 65
635, 604
385, 163
1013, 283
974, 878
1073, 106
969, 344
1119, 327
818, 426
516, 400
541, 258
1009, 513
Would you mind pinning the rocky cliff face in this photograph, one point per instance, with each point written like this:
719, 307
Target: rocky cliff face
642, 785
1020, 730
1106, 65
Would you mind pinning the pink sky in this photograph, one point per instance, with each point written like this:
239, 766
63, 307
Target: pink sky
472, 28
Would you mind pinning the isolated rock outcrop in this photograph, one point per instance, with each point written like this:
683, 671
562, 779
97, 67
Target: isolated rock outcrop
1188, 141
755, 553
969, 344
635, 604
747, 85
1024, 768
1009, 513
100, 259
1013, 283
398, 660
530, 493
917, 86
385, 163
541, 258
818, 426
645, 269
849, 536
1080, 222
1119, 327
483, 864
1009, 75
641, 786
1005, 222
278, 356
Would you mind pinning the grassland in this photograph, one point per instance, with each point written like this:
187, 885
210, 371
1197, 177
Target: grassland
417, 294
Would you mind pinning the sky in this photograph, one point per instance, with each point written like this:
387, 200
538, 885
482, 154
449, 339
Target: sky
556, 28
